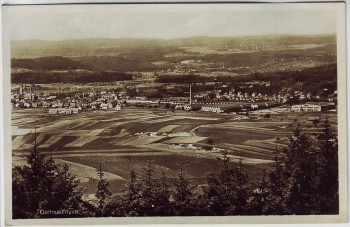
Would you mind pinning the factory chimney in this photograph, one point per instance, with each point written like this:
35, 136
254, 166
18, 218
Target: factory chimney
30, 92
190, 93
21, 90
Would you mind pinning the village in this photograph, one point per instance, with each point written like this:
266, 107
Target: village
225, 100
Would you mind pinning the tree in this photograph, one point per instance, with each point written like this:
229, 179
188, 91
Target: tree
43, 185
227, 192
102, 193
259, 196
155, 194
133, 196
299, 168
184, 198
292, 179
273, 188
328, 180
163, 206
148, 192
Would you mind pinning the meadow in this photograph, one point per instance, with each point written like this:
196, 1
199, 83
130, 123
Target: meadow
127, 139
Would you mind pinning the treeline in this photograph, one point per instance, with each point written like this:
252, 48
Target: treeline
312, 80
47, 63
182, 79
68, 77
315, 74
302, 180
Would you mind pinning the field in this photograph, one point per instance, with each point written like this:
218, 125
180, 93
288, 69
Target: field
122, 139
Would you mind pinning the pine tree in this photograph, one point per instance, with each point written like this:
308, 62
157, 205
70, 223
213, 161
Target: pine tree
259, 196
132, 199
292, 178
39, 185
328, 181
183, 195
227, 192
163, 205
155, 194
300, 165
103, 192
275, 185
148, 192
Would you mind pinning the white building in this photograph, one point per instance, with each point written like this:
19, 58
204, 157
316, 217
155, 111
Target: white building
306, 108
187, 107
183, 107
68, 111
53, 111
61, 110
118, 107
104, 106
213, 109
75, 110
254, 106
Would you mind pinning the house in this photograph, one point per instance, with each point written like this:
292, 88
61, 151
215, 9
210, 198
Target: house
140, 98
53, 111
104, 106
68, 111
118, 107
187, 107
75, 110
254, 106
61, 110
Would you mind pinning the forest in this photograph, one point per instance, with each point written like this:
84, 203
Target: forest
311, 80
302, 180
47, 77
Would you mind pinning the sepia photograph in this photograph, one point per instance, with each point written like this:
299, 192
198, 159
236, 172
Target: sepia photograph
209, 111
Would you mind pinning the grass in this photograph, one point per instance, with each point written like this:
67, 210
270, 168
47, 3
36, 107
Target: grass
223, 135
257, 136
195, 168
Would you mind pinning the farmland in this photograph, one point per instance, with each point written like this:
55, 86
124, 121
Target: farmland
126, 139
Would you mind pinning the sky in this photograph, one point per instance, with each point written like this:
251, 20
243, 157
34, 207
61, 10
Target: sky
169, 21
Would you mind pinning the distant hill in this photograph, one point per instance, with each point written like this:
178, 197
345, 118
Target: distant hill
205, 56
103, 46
47, 63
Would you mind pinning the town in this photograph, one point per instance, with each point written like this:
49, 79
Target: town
222, 99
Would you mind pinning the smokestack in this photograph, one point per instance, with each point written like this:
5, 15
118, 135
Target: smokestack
190, 93
30, 91
21, 90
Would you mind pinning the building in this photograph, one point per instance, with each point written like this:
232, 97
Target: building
68, 111
213, 109
118, 107
53, 111
104, 106
306, 108
183, 107
75, 110
187, 107
61, 110
254, 106
313, 107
